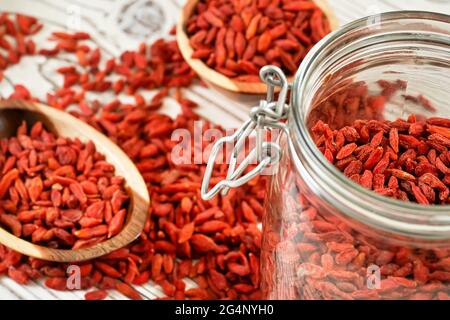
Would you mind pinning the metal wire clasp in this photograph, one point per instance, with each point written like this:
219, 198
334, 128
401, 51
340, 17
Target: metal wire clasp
265, 116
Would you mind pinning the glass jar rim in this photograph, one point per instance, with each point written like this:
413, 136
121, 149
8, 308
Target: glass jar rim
368, 207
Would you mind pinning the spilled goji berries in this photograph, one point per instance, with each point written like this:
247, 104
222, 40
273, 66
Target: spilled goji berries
184, 236
58, 192
237, 38
15, 38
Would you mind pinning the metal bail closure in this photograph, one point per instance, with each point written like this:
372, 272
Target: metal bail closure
266, 116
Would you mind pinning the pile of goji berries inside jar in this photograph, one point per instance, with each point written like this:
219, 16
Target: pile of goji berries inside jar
312, 250
404, 159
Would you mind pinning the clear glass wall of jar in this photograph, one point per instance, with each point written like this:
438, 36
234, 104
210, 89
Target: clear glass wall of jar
326, 237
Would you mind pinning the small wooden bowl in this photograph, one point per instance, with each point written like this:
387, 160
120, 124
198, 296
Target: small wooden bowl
217, 78
12, 112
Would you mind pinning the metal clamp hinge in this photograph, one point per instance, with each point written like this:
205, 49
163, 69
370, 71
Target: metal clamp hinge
267, 115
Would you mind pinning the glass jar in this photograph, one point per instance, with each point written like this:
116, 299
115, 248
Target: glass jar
324, 235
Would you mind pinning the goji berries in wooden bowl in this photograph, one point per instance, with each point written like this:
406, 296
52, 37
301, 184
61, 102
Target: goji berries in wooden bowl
227, 42
62, 192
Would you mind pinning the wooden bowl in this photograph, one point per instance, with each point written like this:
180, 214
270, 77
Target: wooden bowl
217, 78
12, 112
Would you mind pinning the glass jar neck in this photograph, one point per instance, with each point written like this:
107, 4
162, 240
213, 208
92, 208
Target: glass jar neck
359, 46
